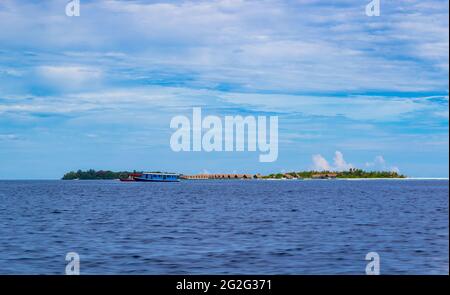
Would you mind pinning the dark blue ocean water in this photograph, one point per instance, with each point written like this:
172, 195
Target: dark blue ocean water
222, 227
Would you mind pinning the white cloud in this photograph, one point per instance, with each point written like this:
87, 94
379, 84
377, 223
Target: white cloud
339, 162
257, 45
70, 77
320, 163
363, 108
10, 72
354, 107
379, 163
134, 99
8, 137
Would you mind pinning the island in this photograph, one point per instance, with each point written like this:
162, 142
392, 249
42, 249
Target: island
92, 174
352, 173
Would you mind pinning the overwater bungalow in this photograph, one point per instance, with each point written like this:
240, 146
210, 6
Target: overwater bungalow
217, 176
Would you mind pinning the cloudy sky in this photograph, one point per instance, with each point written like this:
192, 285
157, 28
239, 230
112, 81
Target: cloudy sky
99, 90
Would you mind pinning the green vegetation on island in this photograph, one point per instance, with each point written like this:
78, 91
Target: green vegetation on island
96, 175
352, 173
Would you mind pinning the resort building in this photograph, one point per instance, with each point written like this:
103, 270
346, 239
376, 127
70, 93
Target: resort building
217, 176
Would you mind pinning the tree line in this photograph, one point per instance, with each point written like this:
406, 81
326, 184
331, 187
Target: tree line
96, 175
352, 173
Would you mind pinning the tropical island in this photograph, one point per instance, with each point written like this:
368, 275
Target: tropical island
352, 173
97, 175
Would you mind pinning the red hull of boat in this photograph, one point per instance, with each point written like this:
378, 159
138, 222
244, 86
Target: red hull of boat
127, 180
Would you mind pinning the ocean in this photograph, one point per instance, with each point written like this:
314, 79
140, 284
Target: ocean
225, 227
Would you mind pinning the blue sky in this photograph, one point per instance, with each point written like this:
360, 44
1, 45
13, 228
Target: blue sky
99, 90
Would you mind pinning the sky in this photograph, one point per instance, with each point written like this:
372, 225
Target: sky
99, 90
